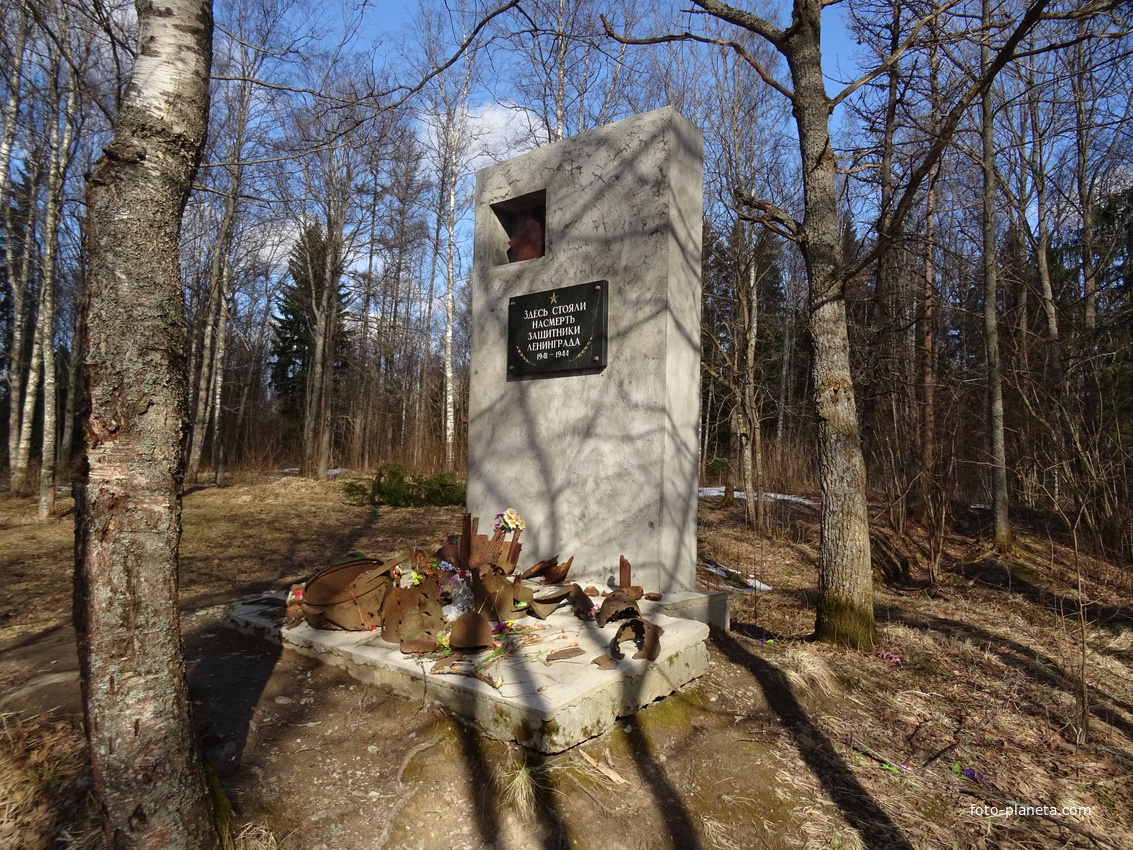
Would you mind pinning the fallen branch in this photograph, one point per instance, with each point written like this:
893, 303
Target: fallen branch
608, 772
874, 754
420, 748
474, 674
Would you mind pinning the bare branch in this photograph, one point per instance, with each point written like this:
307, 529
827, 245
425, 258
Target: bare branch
1031, 17
892, 59
409, 91
741, 18
786, 225
739, 49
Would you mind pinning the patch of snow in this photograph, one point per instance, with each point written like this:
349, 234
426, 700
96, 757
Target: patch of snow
337, 471
733, 575
707, 492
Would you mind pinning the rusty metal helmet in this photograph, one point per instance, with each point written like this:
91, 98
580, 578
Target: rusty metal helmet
471, 631
617, 606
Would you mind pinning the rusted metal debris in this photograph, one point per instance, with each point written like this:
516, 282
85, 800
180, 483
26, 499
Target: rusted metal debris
402, 595
566, 652
645, 634
527, 243
347, 595
617, 606
471, 631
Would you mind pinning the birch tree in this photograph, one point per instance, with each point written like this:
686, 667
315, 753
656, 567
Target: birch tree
148, 775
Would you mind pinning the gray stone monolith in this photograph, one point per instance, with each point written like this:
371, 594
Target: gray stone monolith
593, 441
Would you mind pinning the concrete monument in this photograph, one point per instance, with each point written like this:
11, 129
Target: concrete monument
584, 401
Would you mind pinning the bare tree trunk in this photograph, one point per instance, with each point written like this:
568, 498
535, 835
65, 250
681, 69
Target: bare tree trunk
148, 775
216, 311
60, 155
753, 446
218, 448
21, 468
844, 613
991, 327
15, 282
450, 318
216, 389
327, 321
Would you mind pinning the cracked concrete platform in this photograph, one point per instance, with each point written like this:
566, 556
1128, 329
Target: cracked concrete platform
547, 706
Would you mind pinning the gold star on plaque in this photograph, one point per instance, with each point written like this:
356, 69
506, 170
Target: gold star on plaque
554, 298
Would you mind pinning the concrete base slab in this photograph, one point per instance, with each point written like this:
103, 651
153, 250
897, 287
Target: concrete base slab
546, 705
707, 607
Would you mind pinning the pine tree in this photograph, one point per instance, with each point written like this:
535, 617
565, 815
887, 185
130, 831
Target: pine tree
293, 352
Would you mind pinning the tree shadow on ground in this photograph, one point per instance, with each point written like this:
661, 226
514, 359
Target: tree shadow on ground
1039, 667
226, 671
997, 574
487, 788
682, 833
857, 805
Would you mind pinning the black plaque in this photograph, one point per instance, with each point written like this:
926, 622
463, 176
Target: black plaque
558, 332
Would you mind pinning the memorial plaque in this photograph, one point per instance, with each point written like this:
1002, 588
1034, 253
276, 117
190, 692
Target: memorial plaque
558, 331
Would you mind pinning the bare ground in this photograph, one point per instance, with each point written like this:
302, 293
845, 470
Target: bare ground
973, 701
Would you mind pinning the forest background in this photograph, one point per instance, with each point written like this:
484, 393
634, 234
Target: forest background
326, 245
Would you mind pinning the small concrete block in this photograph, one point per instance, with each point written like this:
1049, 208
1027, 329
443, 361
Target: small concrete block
546, 705
711, 607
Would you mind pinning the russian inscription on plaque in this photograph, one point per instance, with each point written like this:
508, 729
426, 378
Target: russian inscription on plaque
558, 330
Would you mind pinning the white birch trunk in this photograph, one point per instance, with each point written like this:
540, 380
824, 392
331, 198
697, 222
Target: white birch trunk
60, 159
15, 282
149, 779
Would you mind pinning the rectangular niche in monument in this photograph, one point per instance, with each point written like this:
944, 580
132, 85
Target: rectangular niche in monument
523, 228
558, 332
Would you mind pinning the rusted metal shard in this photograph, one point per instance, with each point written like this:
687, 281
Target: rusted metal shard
591, 590
653, 597
625, 573
605, 662
527, 242
468, 528
347, 595
419, 646
398, 559
514, 550
634, 591
535, 569
568, 652
485, 551
617, 606
581, 602
646, 635
651, 642
442, 665
493, 594
412, 613
449, 551
557, 573
470, 631
627, 630
543, 604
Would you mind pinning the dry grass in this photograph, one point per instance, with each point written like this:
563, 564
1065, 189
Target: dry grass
521, 789
809, 675
43, 784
